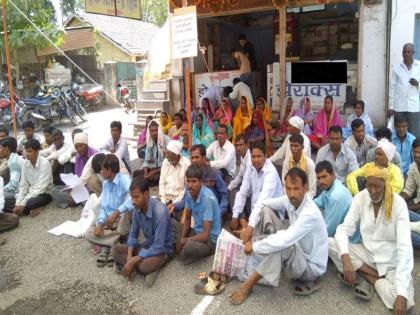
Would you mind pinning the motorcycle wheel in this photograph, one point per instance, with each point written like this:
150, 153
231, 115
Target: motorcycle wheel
80, 110
71, 113
27, 115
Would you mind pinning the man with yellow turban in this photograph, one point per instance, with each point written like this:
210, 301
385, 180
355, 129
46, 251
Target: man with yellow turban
384, 260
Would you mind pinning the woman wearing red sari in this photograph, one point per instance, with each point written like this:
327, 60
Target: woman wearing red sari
324, 120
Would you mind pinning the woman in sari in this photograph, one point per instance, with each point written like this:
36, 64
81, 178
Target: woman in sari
304, 111
165, 122
208, 110
324, 120
223, 116
242, 118
280, 133
202, 134
256, 131
261, 106
359, 113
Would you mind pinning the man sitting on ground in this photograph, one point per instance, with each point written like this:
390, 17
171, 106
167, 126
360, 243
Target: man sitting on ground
242, 150
4, 169
52, 154
335, 199
117, 144
356, 181
300, 160
221, 154
411, 192
48, 137
339, 155
151, 218
8, 221
202, 206
28, 134
8, 148
403, 141
212, 179
35, 183
83, 152
172, 174
359, 141
384, 133
109, 226
384, 259
261, 181
302, 247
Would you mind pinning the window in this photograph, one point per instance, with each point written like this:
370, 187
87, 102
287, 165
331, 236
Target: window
417, 37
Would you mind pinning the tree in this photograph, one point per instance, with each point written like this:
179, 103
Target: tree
154, 11
23, 34
69, 7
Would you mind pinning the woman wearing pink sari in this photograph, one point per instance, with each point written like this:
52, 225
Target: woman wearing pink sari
324, 120
224, 116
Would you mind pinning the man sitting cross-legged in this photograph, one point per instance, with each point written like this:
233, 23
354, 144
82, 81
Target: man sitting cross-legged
201, 205
150, 217
384, 259
302, 247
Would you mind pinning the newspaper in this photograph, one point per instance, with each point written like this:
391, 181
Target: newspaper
230, 258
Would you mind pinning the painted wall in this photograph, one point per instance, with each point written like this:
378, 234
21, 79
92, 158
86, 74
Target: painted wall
372, 60
108, 52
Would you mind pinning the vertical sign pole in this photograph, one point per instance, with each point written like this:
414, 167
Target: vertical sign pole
282, 55
188, 90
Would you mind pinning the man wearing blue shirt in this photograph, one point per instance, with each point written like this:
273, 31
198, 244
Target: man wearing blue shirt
114, 194
151, 217
403, 140
201, 204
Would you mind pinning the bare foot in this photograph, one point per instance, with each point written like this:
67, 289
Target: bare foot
239, 295
34, 212
18, 212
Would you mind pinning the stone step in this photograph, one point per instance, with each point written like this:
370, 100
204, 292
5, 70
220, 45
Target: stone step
152, 104
157, 85
160, 95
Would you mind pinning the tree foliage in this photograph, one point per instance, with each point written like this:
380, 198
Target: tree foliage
154, 11
69, 7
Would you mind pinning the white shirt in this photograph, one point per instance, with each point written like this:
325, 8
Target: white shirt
120, 149
310, 171
283, 153
67, 156
172, 180
307, 229
51, 153
34, 181
242, 89
245, 163
261, 186
223, 157
88, 170
389, 242
404, 97
1, 194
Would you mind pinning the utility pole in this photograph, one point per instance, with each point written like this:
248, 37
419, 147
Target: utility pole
9, 67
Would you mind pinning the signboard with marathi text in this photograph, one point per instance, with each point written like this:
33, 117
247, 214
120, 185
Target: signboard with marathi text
122, 8
184, 36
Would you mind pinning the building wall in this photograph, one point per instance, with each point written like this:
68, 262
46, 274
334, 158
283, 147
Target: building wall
372, 59
108, 52
402, 28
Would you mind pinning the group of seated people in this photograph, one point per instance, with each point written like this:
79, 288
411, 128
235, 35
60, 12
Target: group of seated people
355, 202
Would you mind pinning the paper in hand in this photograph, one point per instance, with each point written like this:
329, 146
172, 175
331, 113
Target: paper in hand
79, 193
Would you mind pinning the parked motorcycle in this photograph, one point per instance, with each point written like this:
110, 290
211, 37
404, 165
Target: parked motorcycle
124, 97
71, 94
89, 95
6, 117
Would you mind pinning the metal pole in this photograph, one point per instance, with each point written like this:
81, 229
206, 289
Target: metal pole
9, 66
188, 90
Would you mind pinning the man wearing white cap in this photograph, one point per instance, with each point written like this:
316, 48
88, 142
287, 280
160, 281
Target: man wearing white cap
295, 127
172, 174
84, 152
384, 154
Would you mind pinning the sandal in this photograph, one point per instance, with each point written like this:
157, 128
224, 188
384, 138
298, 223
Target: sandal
209, 286
363, 290
102, 258
340, 277
110, 260
305, 288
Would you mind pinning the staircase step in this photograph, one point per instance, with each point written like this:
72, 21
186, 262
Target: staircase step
157, 85
154, 95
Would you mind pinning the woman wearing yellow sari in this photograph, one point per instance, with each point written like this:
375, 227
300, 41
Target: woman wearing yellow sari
165, 122
242, 118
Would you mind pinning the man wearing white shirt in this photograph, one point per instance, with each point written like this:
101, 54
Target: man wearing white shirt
261, 181
404, 90
221, 154
384, 259
241, 89
359, 142
295, 127
302, 247
242, 149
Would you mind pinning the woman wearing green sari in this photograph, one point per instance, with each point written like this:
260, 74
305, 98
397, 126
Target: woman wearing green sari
202, 133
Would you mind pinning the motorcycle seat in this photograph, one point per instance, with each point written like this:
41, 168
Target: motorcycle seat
4, 103
37, 102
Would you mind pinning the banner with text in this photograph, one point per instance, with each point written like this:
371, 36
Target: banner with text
184, 37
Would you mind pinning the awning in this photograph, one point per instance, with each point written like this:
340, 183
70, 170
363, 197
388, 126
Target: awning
73, 39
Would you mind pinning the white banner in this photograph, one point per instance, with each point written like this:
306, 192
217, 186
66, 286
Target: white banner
184, 33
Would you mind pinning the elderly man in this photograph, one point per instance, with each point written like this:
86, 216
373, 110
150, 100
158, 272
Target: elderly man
221, 154
385, 150
83, 152
261, 181
384, 133
295, 127
172, 174
404, 90
301, 247
359, 141
384, 259
339, 155
300, 160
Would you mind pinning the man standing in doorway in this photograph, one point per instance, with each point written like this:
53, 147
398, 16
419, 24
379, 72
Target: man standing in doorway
404, 90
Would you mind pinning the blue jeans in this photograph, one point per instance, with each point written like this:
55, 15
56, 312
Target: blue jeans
415, 237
